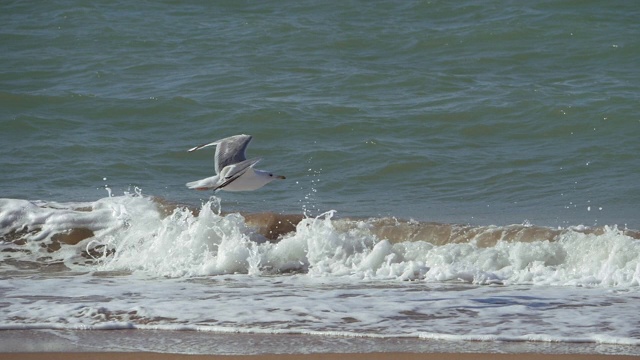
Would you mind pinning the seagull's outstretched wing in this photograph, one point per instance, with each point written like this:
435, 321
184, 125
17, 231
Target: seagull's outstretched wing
229, 150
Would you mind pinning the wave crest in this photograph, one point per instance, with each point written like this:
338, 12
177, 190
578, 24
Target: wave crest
134, 233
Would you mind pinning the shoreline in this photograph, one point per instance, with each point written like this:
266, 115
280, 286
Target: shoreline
324, 356
190, 345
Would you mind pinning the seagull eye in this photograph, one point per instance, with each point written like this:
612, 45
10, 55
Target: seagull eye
271, 175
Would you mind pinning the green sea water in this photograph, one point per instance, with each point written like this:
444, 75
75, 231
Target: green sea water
483, 112
444, 112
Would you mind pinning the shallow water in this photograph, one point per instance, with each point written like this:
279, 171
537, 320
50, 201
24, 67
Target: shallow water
455, 171
131, 264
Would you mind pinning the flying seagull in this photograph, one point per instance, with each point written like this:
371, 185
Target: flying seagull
233, 171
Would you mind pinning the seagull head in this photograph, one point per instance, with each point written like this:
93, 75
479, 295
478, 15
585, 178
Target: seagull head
267, 176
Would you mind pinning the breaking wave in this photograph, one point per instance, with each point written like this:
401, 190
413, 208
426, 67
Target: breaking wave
135, 233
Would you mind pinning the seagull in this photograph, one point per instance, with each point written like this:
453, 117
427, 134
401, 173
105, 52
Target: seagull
233, 171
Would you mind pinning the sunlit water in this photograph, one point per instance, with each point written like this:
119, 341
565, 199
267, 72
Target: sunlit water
456, 173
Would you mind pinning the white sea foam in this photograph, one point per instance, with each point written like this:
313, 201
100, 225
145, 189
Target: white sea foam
129, 233
300, 304
140, 268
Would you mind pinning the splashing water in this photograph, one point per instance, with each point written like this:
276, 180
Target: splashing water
135, 233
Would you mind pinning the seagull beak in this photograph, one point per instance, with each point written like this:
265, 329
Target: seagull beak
280, 177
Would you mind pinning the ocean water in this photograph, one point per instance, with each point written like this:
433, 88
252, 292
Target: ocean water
458, 173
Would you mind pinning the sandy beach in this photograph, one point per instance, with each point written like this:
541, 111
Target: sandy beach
181, 345
362, 356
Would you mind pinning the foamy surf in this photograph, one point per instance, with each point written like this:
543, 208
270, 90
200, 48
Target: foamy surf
314, 306
136, 233
137, 262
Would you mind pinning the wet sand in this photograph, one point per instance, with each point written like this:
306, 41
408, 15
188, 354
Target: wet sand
362, 356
